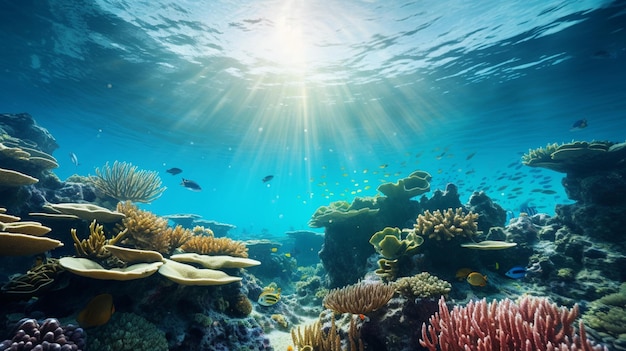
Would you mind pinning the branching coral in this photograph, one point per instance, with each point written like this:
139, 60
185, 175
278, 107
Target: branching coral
532, 324
147, 231
124, 182
208, 245
359, 298
93, 246
422, 285
446, 225
313, 338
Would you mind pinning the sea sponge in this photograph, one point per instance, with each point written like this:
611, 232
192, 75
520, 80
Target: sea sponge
242, 306
422, 285
446, 225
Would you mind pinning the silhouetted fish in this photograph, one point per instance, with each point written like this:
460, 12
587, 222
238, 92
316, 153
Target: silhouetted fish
174, 171
74, 159
191, 185
578, 125
267, 178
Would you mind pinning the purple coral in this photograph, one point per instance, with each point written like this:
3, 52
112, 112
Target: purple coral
29, 335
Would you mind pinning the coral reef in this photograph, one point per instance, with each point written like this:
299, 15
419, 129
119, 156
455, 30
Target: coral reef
390, 244
532, 324
422, 285
93, 247
124, 182
317, 337
50, 335
360, 298
34, 282
415, 184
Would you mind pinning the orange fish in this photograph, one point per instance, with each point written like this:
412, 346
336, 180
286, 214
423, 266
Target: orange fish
97, 312
289, 348
477, 279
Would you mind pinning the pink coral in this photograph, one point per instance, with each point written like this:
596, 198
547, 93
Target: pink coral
533, 324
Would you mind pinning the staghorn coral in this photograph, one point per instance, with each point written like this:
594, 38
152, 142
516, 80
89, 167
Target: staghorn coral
313, 338
147, 231
359, 298
207, 245
124, 182
446, 225
422, 285
531, 324
93, 246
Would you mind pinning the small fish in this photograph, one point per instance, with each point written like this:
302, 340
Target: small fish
363, 318
578, 125
191, 185
383, 166
74, 159
517, 272
469, 157
269, 296
288, 255
477, 279
267, 178
274, 249
174, 171
462, 273
290, 348
97, 312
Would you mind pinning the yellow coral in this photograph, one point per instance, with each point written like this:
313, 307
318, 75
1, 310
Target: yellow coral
446, 225
208, 245
422, 285
147, 231
93, 246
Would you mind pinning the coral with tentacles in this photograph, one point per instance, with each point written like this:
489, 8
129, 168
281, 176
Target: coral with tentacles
359, 298
208, 245
123, 182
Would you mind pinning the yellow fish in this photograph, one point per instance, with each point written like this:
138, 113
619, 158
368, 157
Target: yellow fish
463, 273
269, 296
97, 312
477, 279
274, 249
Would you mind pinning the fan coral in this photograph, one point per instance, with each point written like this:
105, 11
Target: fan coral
50, 335
207, 245
147, 231
124, 182
446, 225
422, 285
532, 324
359, 298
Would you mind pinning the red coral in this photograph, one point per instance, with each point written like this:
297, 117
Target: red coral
533, 324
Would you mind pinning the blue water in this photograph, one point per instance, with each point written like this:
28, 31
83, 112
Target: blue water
331, 97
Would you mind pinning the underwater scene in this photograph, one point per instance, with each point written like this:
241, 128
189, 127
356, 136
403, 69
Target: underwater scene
332, 175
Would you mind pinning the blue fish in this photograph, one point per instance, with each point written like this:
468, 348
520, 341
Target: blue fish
517, 272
